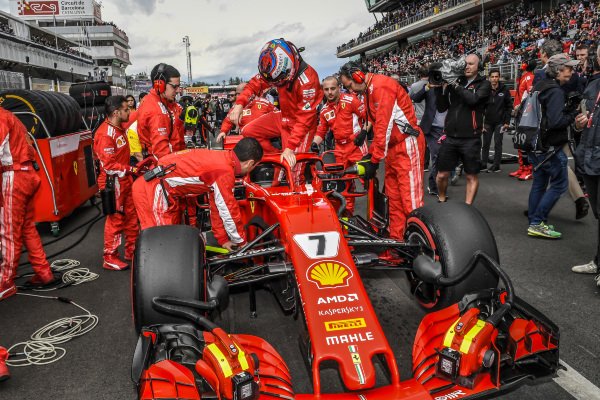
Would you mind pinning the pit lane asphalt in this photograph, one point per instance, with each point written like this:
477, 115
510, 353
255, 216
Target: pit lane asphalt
97, 365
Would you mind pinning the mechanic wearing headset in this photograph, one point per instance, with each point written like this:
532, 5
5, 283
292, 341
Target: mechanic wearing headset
343, 115
465, 100
388, 104
195, 172
19, 182
112, 148
280, 65
256, 109
159, 128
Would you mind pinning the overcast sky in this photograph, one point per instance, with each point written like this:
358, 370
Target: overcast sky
227, 35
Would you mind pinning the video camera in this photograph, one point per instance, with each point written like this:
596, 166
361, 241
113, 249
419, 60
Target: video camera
447, 71
573, 101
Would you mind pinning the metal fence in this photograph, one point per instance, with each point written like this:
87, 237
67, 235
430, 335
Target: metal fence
401, 24
11, 80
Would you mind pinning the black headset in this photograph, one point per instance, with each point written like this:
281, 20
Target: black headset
353, 71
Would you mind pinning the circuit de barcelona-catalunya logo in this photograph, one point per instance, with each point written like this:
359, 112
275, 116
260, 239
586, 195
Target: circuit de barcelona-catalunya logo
329, 274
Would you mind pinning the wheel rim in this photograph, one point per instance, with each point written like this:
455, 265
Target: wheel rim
425, 293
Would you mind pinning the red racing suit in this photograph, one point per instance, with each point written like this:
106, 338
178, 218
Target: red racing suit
254, 110
525, 86
298, 102
197, 171
344, 119
112, 148
404, 154
159, 127
19, 182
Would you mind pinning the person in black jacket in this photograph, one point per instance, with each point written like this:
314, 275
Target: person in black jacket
497, 118
465, 101
587, 157
551, 181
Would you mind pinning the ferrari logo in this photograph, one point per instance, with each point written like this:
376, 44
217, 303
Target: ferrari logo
251, 203
343, 105
329, 274
75, 166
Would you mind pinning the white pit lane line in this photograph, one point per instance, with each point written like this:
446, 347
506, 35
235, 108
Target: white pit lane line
575, 384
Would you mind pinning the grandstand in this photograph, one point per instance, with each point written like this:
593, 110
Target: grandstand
411, 35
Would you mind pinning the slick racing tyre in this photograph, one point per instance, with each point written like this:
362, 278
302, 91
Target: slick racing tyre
454, 231
59, 111
20, 100
88, 94
168, 261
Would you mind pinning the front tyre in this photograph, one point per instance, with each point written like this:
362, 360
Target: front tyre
168, 261
454, 231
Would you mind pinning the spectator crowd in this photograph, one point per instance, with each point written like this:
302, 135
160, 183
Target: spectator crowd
512, 34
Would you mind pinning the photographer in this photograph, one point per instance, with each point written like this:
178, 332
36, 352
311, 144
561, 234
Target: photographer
588, 159
465, 101
550, 182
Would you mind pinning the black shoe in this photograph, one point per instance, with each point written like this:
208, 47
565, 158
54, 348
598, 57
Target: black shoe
581, 208
526, 213
433, 192
483, 168
494, 168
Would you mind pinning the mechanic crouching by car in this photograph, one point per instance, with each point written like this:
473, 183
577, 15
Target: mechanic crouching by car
19, 182
587, 158
159, 199
112, 148
551, 180
391, 111
343, 115
159, 128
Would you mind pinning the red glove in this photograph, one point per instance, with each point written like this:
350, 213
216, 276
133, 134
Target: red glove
146, 164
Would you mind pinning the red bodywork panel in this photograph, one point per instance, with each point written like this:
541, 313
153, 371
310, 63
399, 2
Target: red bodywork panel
341, 321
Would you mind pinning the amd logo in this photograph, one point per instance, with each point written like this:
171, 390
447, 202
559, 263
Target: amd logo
338, 299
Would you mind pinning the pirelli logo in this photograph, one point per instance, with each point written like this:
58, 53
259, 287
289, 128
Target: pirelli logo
345, 324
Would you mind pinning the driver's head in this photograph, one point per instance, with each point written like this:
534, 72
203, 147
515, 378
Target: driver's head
331, 87
249, 152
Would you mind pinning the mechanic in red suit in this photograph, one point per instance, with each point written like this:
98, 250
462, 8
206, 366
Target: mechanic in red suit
300, 92
19, 182
196, 172
387, 105
343, 114
111, 145
256, 109
159, 128
524, 87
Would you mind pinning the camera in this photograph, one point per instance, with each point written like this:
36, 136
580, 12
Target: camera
447, 71
573, 100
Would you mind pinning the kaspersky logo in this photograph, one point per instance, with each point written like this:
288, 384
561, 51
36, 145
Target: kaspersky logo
329, 274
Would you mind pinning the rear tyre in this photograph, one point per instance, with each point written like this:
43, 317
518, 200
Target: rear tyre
29, 101
455, 231
168, 261
59, 111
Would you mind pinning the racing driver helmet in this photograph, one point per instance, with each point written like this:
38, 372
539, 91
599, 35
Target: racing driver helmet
278, 62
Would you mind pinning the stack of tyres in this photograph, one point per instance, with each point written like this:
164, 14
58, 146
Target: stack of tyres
91, 97
60, 114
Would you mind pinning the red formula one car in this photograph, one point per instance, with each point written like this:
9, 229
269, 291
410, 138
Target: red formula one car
476, 340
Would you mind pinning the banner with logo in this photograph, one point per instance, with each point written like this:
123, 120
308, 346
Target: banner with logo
54, 8
197, 90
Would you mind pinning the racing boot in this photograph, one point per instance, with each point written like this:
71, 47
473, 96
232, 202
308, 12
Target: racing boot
521, 167
7, 290
527, 174
113, 263
42, 276
129, 253
4, 374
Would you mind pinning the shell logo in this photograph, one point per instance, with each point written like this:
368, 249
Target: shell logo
329, 274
